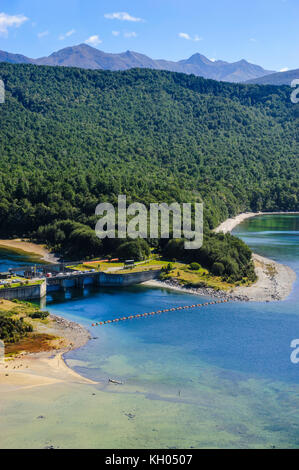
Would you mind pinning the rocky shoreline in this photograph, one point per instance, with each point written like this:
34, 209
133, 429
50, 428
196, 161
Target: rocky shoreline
73, 333
174, 284
274, 283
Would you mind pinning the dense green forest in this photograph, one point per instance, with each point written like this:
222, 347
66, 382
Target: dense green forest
71, 138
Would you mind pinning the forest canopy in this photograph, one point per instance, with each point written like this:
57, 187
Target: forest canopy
72, 138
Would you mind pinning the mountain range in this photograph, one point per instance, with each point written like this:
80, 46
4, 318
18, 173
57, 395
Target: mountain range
88, 57
279, 78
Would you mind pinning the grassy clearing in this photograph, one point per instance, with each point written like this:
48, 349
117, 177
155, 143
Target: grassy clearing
21, 283
148, 265
19, 325
180, 271
111, 266
200, 278
98, 266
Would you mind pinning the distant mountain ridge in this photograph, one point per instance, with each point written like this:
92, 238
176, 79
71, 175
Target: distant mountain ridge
88, 57
14, 58
279, 78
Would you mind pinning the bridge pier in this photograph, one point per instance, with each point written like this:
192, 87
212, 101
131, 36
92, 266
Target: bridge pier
79, 283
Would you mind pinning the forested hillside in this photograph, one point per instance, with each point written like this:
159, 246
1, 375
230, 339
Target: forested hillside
71, 138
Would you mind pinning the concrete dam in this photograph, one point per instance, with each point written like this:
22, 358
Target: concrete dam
60, 281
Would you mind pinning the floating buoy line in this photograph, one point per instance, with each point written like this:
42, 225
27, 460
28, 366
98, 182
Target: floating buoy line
166, 310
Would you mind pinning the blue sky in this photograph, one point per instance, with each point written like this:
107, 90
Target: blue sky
264, 32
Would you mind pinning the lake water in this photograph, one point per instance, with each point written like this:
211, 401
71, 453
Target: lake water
219, 376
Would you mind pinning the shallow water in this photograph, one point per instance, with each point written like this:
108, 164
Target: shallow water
220, 376
15, 258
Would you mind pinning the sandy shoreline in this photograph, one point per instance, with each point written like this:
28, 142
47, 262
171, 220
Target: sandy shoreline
229, 224
275, 282
29, 247
45, 368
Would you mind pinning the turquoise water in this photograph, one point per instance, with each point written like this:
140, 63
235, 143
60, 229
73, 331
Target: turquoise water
245, 337
220, 376
276, 237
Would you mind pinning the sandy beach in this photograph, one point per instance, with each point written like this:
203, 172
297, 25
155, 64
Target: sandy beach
229, 224
29, 247
25, 370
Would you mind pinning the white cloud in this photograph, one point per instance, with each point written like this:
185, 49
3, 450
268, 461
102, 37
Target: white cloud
187, 36
252, 40
123, 16
8, 21
131, 34
213, 60
67, 35
93, 40
115, 33
285, 69
42, 34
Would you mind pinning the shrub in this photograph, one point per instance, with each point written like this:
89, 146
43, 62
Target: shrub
136, 249
194, 266
13, 330
167, 269
39, 314
218, 269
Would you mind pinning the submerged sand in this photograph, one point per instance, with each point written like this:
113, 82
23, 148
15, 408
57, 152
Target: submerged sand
31, 248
